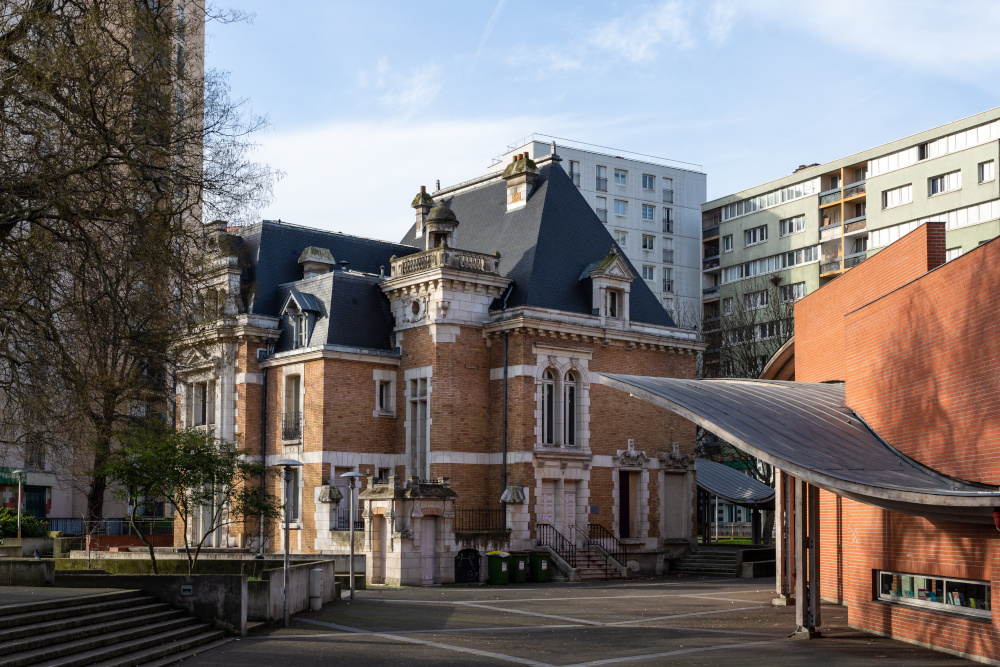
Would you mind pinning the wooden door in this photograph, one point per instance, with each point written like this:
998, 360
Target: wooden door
569, 513
624, 504
546, 513
428, 550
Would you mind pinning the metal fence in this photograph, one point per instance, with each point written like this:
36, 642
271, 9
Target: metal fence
479, 520
342, 519
147, 526
291, 426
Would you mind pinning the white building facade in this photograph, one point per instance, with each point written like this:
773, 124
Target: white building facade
651, 206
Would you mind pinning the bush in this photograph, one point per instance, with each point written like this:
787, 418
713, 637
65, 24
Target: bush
30, 526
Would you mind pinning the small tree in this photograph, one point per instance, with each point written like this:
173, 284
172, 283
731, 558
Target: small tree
197, 473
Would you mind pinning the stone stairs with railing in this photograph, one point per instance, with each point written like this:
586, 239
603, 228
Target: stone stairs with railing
592, 565
113, 629
708, 561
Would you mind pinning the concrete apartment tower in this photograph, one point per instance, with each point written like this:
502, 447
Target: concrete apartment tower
650, 206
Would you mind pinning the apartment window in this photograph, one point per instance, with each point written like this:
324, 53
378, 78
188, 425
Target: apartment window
944, 183
727, 306
860, 210
897, 196
621, 238
621, 207
668, 191
770, 264
793, 225
569, 409
953, 253
648, 273
648, 212
755, 235
648, 242
602, 209
668, 221
727, 243
987, 171
860, 173
602, 178
648, 182
621, 177
755, 300
793, 292
559, 404
574, 172
668, 251
384, 396
291, 426
200, 404
385, 392
613, 304
860, 245
292, 505
668, 280
957, 596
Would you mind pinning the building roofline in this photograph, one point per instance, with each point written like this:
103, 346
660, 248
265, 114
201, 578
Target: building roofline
618, 153
281, 223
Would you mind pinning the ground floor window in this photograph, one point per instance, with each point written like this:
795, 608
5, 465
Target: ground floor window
941, 593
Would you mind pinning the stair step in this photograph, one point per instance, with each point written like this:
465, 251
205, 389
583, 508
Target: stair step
75, 650
171, 653
89, 630
135, 599
68, 623
59, 603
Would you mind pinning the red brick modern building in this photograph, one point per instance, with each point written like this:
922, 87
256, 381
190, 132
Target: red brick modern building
888, 441
461, 361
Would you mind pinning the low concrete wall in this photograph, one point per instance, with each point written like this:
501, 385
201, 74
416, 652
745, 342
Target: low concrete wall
105, 542
137, 562
266, 597
220, 599
28, 545
26, 572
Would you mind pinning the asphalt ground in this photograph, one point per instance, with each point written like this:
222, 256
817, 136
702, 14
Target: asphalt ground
676, 621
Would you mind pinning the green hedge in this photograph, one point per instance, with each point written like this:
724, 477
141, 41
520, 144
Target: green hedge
30, 526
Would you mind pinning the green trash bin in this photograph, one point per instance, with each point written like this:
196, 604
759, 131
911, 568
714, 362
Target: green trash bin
518, 568
497, 567
539, 568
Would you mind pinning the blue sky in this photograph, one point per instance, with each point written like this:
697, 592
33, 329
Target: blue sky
370, 100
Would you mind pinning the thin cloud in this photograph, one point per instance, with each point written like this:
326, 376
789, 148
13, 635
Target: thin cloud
488, 30
406, 92
637, 35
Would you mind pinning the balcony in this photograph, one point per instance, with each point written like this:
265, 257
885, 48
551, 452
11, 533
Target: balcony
291, 426
445, 258
602, 213
853, 225
854, 189
710, 290
853, 260
829, 232
668, 226
710, 263
832, 266
710, 233
668, 256
668, 285
602, 184
829, 196
575, 177
668, 196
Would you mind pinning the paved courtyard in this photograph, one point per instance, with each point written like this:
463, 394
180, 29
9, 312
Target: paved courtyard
671, 620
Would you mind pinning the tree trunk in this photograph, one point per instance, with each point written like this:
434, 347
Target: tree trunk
98, 480
765, 534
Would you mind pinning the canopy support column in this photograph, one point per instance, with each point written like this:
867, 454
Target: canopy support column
806, 521
784, 543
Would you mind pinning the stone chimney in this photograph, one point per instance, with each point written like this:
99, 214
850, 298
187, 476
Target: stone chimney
519, 174
315, 261
423, 204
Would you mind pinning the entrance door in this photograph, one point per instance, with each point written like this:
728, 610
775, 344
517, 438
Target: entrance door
381, 551
625, 508
547, 509
34, 501
569, 512
428, 549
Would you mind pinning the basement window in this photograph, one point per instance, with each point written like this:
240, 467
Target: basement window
954, 596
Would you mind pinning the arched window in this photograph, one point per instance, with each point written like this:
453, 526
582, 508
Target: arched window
569, 409
548, 408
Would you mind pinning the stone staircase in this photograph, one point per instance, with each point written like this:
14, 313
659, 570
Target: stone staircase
708, 561
592, 566
113, 629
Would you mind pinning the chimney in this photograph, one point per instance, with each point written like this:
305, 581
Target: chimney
519, 174
315, 261
423, 203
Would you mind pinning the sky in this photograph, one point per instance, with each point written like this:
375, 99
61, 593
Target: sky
370, 100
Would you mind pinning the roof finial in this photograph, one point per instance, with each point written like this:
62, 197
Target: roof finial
438, 186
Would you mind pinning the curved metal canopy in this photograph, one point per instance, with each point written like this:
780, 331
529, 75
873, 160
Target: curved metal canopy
806, 430
733, 486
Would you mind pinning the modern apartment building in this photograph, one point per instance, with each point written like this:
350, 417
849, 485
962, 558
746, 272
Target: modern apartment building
813, 225
650, 206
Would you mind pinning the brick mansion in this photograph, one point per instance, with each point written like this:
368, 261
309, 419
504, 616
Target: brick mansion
457, 371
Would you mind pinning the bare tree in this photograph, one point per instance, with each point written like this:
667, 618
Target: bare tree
116, 145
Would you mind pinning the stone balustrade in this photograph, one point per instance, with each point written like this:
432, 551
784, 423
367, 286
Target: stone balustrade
445, 258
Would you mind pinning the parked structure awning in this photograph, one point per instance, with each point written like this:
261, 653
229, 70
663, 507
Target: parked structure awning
806, 430
733, 486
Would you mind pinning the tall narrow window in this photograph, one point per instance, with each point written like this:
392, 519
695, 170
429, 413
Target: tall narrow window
292, 496
613, 304
418, 427
569, 409
548, 408
602, 178
574, 172
200, 403
291, 428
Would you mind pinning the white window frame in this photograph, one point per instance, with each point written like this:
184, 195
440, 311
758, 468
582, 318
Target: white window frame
621, 237
651, 180
614, 304
649, 212
991, 165
727, 243
793, 292
952, 253
727, 305
648, 242
621, 176
895, 197
755, 300
385, 393
754, 236
623, 207
944, 183
648, 272
796, 224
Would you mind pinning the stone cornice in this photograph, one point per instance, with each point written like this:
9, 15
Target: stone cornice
447, 278
242, 327
382, 357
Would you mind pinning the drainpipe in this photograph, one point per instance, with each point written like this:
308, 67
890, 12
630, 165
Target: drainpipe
503, 469
263, 449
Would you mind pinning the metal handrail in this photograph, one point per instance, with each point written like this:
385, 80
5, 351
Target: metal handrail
604, 538
668, 196
548, 536
602, 184
668, 226
291, 426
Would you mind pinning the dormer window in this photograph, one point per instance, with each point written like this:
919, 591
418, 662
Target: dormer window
300, 329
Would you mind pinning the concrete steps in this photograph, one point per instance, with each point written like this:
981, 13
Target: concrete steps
116, 628
591, 566
706, 561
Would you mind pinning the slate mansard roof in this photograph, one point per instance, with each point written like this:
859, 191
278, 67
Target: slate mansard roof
544, 246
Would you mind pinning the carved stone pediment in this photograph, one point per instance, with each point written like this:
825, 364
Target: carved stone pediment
631, 458
676, 460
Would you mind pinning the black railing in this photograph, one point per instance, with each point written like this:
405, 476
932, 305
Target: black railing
709, 232
479, 520
668, 256
575, 177
602, 213
602, 184
146, 526
342, 519
291, 426
668, 196
668, 226
552, 538
709, 264
604, 538
668, 285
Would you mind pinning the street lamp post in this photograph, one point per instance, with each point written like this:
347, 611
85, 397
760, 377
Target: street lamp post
20, 479
351, 476
287, 465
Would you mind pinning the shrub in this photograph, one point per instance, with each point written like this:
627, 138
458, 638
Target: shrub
30, 526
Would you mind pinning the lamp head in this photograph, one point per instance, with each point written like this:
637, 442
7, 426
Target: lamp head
351, 477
